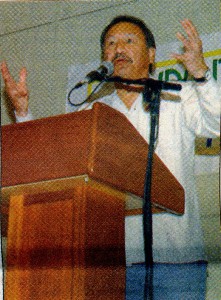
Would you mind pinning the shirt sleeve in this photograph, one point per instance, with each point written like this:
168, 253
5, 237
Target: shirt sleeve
28, 117
201, 107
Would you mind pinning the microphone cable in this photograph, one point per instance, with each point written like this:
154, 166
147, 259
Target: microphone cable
91, 94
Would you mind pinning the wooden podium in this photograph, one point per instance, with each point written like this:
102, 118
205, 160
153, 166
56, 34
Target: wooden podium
68, 179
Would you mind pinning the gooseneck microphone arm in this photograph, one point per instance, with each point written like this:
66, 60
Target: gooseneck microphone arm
104, 71
147, 82
102, 75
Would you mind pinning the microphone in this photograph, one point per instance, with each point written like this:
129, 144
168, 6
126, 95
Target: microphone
105, 70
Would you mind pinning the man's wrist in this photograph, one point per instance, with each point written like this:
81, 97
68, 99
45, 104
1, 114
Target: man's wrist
21, 114
27, 117
207, 76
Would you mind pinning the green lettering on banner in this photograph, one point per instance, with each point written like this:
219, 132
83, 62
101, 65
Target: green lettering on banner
172, 72
169, 72
160, 76
215, 67
183, 76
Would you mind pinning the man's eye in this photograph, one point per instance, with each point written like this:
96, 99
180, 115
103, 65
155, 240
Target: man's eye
111, 43
129, 41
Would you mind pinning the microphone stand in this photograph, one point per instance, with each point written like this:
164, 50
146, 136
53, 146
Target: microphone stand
152, 97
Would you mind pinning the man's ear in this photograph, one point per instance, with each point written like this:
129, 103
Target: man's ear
152, 54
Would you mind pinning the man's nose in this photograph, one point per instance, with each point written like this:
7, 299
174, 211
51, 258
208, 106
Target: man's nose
120, 47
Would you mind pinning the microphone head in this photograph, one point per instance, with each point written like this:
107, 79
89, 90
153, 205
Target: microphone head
107, 68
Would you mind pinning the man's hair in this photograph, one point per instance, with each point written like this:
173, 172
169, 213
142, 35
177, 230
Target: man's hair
150, 41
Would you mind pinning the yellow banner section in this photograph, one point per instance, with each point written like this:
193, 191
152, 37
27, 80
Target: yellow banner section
170, 62
207, 146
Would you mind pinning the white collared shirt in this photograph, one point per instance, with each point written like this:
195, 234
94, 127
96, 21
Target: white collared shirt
195, 110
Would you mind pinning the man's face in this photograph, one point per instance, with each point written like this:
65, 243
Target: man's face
125, 46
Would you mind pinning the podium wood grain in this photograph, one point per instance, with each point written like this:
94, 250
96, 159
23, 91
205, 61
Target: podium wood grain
67, 244
67, 179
